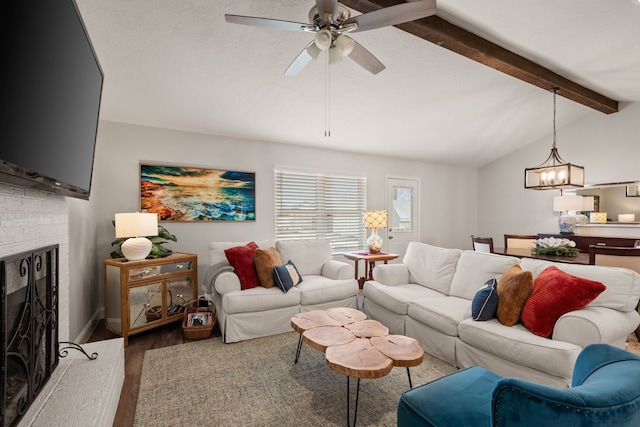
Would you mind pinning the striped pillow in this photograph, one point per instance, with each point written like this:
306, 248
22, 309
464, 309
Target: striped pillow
286, 276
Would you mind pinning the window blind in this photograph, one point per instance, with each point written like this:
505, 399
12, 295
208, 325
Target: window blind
319, 205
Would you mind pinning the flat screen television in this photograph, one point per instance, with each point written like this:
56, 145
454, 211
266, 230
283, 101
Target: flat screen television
51, 91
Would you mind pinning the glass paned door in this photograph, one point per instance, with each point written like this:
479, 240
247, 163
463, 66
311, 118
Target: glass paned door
402, 208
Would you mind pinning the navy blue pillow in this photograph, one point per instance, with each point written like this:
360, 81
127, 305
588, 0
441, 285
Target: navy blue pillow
485, 303
286, 276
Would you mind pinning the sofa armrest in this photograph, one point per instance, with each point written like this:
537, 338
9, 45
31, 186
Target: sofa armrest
592, 325
391, 274
226, 282
337, 270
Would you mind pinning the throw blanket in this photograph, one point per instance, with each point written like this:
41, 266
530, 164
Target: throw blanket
212, 273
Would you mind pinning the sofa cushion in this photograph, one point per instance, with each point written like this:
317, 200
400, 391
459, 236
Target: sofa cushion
396, 298
265, 260
286, 276
431, 266
514, 287
308, 255
316, 290
485, 304
554, 294
259, 299
441, 313
518, 345
475, 268
623, 286
241, 259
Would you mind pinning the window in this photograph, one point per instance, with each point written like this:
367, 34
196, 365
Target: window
319, 205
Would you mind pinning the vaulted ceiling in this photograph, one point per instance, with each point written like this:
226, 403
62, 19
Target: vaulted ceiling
464, 87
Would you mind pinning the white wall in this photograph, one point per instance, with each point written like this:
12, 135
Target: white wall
85, 286
608, 146
448, 199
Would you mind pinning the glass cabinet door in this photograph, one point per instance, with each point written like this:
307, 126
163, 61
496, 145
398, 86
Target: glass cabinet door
145, 304
179, 292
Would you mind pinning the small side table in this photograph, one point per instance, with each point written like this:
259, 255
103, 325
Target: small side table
369, 262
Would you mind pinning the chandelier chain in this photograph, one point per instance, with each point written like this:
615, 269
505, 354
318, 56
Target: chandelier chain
555, 91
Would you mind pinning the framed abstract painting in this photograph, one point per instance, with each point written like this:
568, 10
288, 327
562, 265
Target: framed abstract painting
186, 193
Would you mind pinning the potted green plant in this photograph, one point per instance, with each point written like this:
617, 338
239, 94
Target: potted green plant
157, 250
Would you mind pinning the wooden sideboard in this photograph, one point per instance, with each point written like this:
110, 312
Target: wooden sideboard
583, 242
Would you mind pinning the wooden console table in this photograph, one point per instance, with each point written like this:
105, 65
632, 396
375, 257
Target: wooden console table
144, 294
583, 242
369, 262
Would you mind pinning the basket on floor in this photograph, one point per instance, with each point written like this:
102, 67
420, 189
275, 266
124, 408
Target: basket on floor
198, 332
155, 312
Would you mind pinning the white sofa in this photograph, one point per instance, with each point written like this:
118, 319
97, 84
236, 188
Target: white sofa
258, 312
428, 297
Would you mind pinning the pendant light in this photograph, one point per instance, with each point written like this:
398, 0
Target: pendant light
554, 173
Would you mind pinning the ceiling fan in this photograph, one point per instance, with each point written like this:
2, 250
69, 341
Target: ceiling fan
331, 21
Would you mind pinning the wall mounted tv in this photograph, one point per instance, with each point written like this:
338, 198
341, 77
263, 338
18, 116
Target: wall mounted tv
51, 90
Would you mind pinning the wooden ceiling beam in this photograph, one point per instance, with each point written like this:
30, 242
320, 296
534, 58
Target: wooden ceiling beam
443, 33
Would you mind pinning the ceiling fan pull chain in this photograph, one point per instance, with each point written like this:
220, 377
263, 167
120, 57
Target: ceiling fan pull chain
327, 97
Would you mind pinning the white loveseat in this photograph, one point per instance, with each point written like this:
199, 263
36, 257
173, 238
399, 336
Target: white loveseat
428, 297
258, 312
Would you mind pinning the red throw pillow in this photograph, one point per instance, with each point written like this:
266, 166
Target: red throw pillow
554, 294
241, 259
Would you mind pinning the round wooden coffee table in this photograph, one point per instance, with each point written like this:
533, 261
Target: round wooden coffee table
354, 346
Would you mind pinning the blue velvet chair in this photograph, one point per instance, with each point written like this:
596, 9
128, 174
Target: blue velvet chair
605, 391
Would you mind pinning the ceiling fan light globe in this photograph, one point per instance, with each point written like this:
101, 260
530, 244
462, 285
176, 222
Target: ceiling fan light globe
345, 45
335, 56
313, 51
323, 39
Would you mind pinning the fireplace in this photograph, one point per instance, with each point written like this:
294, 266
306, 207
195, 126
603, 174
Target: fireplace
29, 328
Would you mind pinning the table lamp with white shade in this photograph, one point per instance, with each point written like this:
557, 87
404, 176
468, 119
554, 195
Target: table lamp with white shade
136, 226
374, 220
564, 204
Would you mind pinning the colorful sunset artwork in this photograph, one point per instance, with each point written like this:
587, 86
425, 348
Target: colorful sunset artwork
179, 193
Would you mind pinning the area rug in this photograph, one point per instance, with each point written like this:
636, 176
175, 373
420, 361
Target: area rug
256, 383
632, 344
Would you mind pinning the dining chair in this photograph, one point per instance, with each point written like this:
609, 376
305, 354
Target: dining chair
482, 244
523, 241
617, 256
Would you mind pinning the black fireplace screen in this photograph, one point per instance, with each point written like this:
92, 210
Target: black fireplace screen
29, 330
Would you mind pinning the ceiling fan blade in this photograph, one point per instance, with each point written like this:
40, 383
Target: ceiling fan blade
394, 15
267, 23
301, 61
365, 59
327, 6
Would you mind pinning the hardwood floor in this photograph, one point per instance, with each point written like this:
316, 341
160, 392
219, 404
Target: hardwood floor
163, 336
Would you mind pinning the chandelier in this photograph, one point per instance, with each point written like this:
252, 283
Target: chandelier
554, 172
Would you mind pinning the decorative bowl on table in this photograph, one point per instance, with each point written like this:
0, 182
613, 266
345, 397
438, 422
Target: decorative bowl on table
554, 246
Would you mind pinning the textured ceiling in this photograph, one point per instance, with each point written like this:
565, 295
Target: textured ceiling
177, 64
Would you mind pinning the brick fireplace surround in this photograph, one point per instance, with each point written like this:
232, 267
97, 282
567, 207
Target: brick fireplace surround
80, 391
